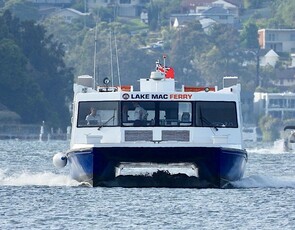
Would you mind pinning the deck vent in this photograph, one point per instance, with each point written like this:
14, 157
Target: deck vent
138, 135
85, 80
173, 135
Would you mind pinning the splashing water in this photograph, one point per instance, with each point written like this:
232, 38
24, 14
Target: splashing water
35, 179
261, 181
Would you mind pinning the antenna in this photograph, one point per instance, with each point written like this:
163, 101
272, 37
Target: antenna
112, 74
117, 58
94, 58
164, 57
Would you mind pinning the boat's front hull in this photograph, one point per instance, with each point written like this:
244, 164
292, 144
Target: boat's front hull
215, 166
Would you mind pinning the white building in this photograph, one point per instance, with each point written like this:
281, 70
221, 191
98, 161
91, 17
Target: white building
270, 58
277, 105
280, 40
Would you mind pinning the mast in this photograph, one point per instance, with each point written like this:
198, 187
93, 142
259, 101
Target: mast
117, 58
112, 74
94, 58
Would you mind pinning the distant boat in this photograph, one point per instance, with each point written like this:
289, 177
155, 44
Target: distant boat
289, 138
186, 138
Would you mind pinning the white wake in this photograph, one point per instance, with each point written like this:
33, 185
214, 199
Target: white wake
35, 179
261, 181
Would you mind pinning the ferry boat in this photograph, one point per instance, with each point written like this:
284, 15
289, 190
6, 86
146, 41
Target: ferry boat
157, 136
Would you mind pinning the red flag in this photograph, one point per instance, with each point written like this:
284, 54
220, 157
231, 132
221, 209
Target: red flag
169, 72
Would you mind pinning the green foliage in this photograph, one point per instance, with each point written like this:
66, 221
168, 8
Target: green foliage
186, 46
153, 12
110, 39
197, 57
285, 13
79, 5
106, 14
159, 12
34, 79
267, 125
133, 24
22, 9
253, 4
221, 57
9, 117
249, 36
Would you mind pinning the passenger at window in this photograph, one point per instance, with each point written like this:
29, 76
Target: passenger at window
185, 117
93, 118
140, 115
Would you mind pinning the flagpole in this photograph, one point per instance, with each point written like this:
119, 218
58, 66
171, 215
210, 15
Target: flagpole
164, 57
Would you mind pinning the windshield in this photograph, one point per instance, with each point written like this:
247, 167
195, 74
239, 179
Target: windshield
216, 114
221, 114
98, 114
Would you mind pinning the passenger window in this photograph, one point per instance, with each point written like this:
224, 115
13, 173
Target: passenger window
97, 114
216, 114
175, 113
138, 113
185, 113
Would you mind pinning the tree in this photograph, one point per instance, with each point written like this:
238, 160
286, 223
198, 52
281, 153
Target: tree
267, 124
285, 13
222, 57
153, 12
253, 4
33, 71
21, 9
249, 36
17, 88
186, 47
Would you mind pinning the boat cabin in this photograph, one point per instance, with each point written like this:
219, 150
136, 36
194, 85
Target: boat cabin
156, 113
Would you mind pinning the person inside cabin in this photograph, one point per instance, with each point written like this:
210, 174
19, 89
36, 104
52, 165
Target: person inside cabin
93, 118
140, 115
185, 117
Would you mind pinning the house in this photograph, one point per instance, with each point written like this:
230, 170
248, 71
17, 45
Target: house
47, 7
197, 6
189, 6
234, 10
285, 78
180, 20
279, 40
68, 14
207, 18
124, 8
144, 17
207, 23
208, 12
219, 14
51, 2
270, 58
277, 105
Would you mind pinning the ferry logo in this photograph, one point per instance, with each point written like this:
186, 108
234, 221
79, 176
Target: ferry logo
125, 96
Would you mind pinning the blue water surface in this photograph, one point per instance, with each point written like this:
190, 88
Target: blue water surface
35, 195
